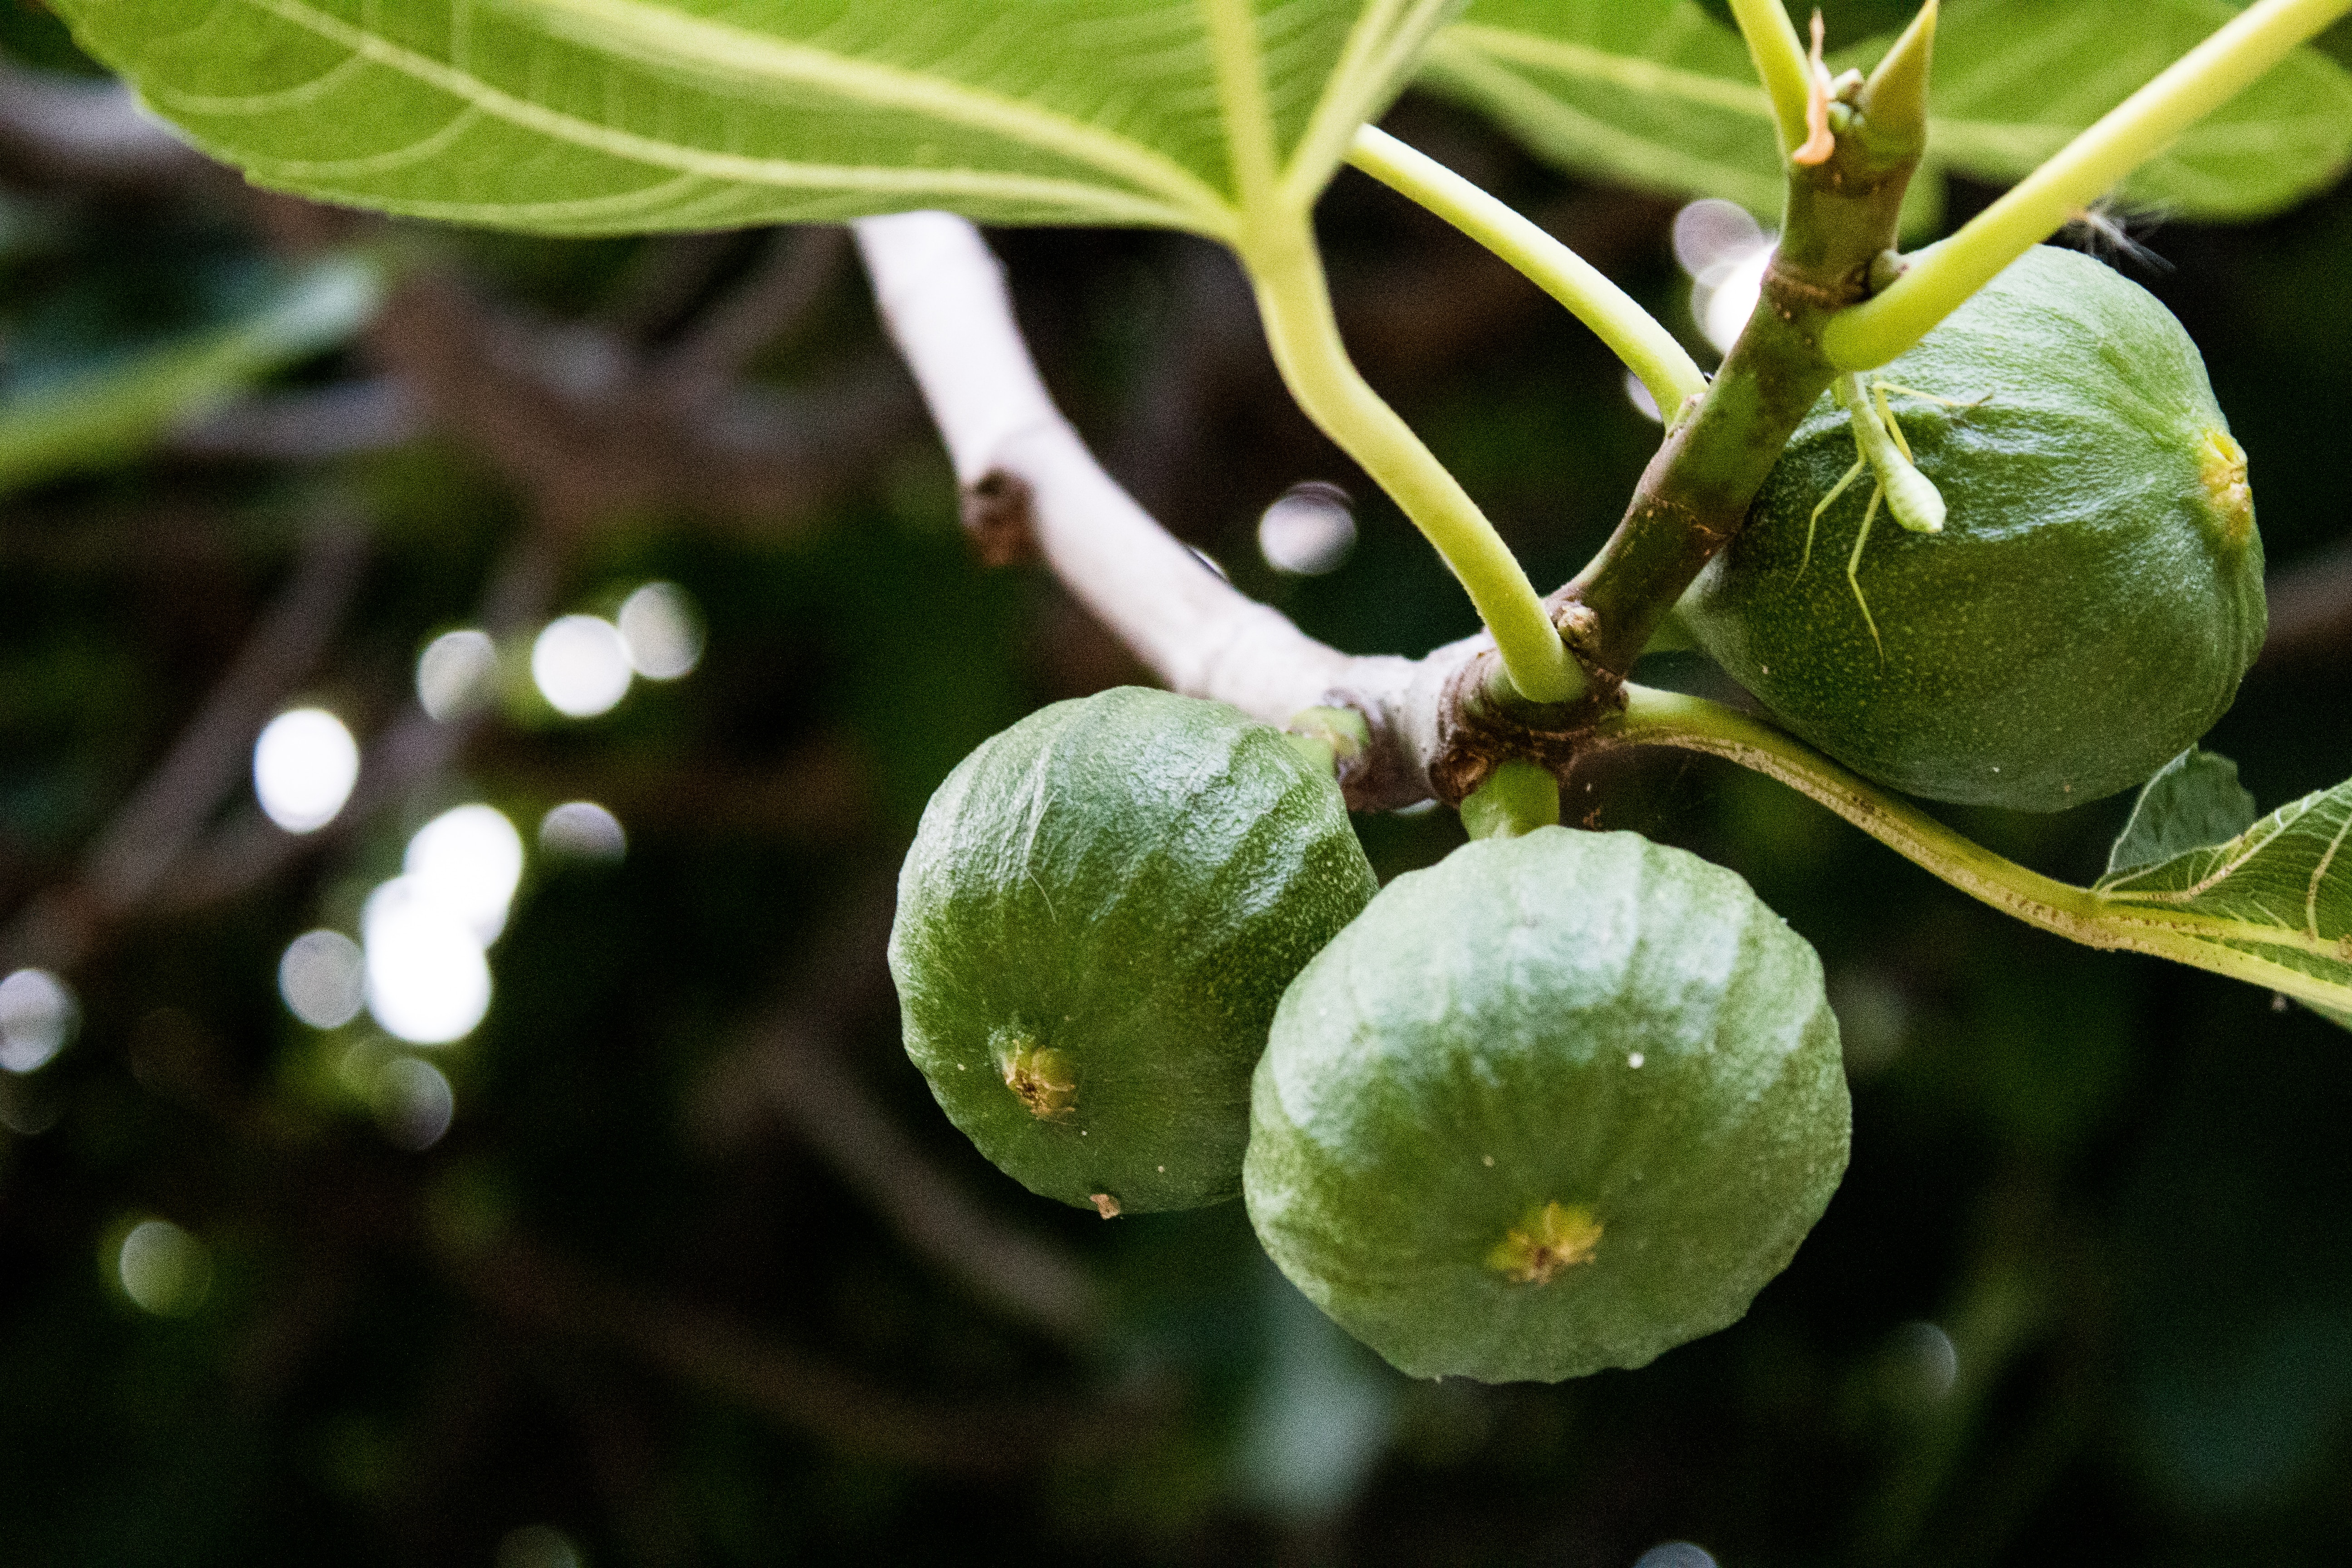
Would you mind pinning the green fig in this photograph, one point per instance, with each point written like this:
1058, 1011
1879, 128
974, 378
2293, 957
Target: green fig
1560, 1102
2083, 607
1100, 912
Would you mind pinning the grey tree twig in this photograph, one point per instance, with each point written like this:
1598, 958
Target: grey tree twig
790, 1067
337, 421
714, 1351
134, 853
780, 290
1023, 465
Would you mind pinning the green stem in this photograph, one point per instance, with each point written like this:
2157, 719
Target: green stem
1295, 303
2080, 914
1516, 798
1632, 334
1782, 64
2136, 129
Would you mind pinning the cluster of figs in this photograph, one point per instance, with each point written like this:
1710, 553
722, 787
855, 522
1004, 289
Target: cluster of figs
1567, 1099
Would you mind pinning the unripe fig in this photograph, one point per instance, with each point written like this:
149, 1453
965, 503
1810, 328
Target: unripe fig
1560, 1102
1100, 910
2092, 598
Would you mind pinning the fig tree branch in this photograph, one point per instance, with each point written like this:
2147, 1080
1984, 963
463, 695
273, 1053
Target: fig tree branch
1021, 465
728, 1357
944, 298
2311, 610
1694, 495
771, 301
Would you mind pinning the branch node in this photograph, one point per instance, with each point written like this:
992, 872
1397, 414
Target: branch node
999, 517
1477, 734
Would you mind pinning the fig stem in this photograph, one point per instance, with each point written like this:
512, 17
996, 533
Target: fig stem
1328, 736
1652, 718
1295, 305
1943, 276
1632, 334
1515, 799
1781, 64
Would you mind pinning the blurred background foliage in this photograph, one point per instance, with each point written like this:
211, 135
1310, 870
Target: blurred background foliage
672, 1260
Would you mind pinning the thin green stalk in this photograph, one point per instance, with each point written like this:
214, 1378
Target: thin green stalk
1515, 799
1632, 334
1295, 303
2080, 914
1782, 64
2136, 129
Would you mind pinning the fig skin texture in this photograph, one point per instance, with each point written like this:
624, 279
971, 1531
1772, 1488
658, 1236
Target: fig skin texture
1100, 912
1560, 1102
2097, 591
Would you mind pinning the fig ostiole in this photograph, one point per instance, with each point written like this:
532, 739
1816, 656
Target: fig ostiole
1561, 1102
2092, 599
1101, 908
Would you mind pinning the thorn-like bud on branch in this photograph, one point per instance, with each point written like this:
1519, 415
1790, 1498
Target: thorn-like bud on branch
1818, 141
1894, 102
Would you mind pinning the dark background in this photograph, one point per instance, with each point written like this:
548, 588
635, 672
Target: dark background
700, 1275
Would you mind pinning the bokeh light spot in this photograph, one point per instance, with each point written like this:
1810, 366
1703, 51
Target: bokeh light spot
1676, 1554
304, 765
1308, 531
37, 1016
663, 631
414, 1102
428, 982
1637, 393
582, 830
164, 1269
453, 673
323, 978
538, 1546
1712, 231
1925, 1366
470, 858
581, 664
1726, 252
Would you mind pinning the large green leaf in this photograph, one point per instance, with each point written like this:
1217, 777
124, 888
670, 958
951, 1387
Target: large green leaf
2280, 892
608, 116
1650, 92
1657, 94
104, 414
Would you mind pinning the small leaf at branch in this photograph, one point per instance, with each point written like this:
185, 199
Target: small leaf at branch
2281, 893
617, 116
2195, 800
